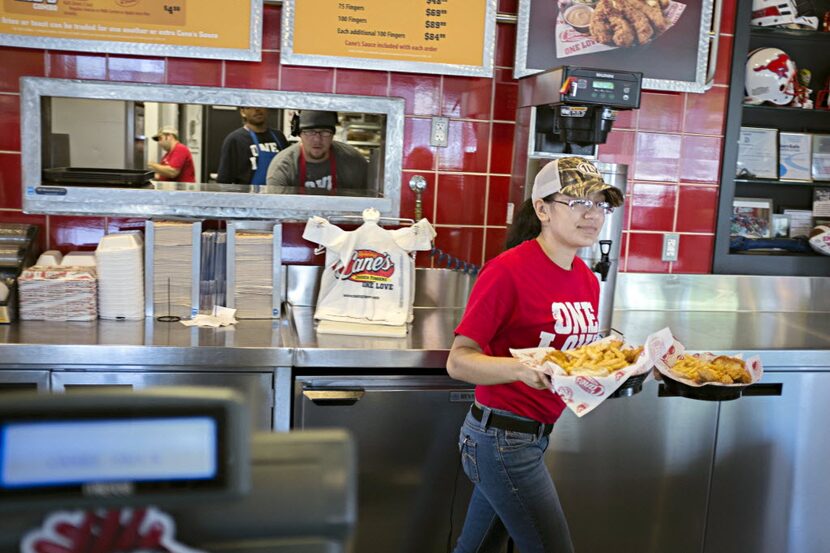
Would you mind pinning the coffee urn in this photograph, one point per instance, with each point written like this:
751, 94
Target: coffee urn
604, 256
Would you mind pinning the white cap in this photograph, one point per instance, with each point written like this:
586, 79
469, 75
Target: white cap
574, 176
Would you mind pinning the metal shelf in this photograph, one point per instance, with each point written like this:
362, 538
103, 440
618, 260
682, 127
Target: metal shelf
782, 182
795, 34
809, 49
785, 109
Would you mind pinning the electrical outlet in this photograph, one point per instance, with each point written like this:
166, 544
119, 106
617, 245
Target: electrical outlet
671, 244
440, 131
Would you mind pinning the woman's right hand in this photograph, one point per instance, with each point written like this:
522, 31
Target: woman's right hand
532, 377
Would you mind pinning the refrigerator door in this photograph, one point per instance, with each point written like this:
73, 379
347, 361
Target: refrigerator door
633, 475
770, 490
406, 430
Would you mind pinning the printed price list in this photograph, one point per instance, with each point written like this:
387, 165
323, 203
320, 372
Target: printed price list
436, 31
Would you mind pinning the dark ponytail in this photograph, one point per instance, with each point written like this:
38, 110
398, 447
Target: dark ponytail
526, 225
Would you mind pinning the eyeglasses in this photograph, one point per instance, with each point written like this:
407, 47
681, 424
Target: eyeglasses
582, 206
324, 133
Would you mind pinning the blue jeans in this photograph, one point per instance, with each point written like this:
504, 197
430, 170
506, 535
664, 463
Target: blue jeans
514, 494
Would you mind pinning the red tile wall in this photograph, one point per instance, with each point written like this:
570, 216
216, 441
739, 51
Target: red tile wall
672, 145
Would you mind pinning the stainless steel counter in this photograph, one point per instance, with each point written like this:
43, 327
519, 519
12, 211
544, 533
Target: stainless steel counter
426, 346
782, 339
787, 340
248, 344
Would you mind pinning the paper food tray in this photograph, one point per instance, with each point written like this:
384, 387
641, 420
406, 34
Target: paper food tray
706, 391
581, 393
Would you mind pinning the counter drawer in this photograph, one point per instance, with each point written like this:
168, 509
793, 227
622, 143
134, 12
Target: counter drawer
257, 388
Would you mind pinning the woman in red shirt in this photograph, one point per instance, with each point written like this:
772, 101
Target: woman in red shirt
537, 293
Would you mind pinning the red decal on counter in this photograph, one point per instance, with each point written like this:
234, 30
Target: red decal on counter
590, 385
366, 266
105, 531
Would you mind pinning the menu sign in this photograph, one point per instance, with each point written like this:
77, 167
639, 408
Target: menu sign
453, 37
189, 28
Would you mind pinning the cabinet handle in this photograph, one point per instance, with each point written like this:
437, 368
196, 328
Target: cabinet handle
83, 387
768, 390
773, 389
334, 397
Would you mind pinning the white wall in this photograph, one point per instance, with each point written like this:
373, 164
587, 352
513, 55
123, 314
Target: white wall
96, 128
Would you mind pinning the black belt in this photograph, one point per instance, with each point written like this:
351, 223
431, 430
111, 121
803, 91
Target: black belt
509, 423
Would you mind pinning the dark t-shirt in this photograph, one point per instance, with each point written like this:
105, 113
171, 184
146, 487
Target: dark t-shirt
352, 169
238, 159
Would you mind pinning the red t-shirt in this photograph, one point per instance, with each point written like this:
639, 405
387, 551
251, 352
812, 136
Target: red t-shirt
180, 158
522, 299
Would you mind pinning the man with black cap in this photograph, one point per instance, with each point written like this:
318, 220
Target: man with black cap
177, 163
247, 151
318, 162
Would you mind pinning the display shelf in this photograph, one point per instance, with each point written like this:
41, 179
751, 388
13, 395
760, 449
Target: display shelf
790, 34
787, 109
809, 50
786, 118
783, 264
784, 183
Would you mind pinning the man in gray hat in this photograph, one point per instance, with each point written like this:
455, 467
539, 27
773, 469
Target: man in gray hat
318, 163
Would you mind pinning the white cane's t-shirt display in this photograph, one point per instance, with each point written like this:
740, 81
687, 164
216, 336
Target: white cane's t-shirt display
369, 272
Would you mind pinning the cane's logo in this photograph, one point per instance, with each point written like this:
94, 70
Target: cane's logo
569, 35
590, 385
366, 266
581, 408
566, 393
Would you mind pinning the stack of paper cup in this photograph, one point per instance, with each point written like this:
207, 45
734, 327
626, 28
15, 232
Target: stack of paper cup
120, 261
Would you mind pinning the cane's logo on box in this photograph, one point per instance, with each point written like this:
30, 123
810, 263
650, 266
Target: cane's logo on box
366, 266
566, 393
590, 385
581, 407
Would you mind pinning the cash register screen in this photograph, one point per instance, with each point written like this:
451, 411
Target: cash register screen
139, 454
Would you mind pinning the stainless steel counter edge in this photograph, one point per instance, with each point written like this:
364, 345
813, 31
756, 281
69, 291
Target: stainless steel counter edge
785, 341
197, 358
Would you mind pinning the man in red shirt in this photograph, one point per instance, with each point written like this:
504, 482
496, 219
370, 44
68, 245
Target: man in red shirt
177, 163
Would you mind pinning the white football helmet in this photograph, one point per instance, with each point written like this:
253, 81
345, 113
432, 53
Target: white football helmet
769, 77
774, 13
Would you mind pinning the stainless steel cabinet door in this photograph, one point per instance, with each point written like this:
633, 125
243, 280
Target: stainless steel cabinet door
256, 387
770, 488
407, 436
18, 379
633, 475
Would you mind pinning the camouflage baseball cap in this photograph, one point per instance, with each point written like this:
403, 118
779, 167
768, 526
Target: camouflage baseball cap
573, 176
